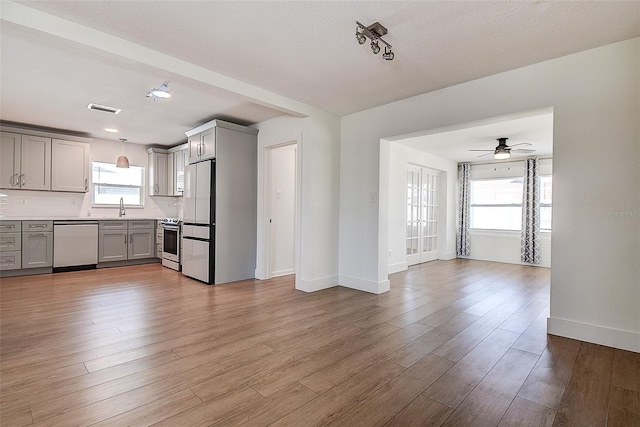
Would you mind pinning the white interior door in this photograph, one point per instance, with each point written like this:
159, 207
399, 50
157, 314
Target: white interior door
422, 214
282, 201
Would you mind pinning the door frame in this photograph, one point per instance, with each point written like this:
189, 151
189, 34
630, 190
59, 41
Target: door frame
263, 247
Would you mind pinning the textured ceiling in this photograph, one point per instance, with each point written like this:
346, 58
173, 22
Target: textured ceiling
305, 51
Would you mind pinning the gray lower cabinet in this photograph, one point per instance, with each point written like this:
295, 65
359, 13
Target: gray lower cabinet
126, 240
37, 244
112, 245
10, 245
142, 243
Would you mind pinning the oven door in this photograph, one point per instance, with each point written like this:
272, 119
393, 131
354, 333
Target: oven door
171, 242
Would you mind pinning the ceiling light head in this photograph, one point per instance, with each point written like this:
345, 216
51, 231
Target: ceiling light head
388, 54
501, 154
160, 92
375, 48
361, 38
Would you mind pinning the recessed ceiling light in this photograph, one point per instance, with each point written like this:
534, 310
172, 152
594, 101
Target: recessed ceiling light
112, 130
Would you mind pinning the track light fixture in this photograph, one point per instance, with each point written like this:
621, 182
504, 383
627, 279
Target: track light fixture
374, 47
374, 32
388, 55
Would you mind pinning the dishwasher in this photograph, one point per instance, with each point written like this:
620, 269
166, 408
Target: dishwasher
75, 245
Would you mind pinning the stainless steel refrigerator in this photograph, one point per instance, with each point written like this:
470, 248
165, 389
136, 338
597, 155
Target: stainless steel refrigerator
220, 209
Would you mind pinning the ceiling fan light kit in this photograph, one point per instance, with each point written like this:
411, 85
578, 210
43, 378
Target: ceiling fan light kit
374, 32
503, 151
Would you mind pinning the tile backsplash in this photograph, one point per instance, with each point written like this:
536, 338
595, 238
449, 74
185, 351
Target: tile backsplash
48, 204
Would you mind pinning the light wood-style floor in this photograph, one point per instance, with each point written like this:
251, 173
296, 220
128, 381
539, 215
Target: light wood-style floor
456, 343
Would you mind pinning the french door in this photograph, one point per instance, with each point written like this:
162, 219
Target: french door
422, 214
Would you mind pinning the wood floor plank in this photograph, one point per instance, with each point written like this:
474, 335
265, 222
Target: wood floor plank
334, 374
523, 413
214, 410
488, 402
552, 372
422, 412
155, 411
626, 370
624, 407
272, 408
379, 407
585, 399
416, 350
335, 402
454, 386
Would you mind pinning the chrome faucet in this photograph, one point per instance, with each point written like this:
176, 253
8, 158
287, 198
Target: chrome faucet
122, 211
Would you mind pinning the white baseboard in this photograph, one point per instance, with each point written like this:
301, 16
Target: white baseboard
625, 340
314, 285
283, 272
365, 285
397, 267
447, 256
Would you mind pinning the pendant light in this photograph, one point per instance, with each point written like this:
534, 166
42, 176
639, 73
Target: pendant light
122, 161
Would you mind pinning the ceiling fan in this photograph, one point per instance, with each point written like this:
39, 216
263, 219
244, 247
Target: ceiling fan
503, 151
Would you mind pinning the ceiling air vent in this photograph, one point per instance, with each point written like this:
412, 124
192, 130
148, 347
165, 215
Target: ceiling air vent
104, 108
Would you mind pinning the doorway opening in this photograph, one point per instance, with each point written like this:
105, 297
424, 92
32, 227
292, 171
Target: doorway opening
281, 198
422, 214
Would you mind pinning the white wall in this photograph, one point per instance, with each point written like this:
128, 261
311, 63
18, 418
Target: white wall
50, 204
318, 139
504, 246
399, 157
595, 280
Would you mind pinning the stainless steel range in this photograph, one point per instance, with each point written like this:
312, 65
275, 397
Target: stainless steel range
171, 231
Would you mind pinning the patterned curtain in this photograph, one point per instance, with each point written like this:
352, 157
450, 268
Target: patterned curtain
464, 222
530, 245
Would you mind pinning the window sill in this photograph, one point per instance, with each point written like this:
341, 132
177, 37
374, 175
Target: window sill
116, 206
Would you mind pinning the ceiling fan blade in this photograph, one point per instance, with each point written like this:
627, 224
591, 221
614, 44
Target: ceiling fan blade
522, 143
481, 150
522, 150
482, 155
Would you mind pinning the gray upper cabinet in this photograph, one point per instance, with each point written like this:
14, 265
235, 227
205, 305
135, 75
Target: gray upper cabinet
69, 166
26, 162
158, 172
178, 159
202, 145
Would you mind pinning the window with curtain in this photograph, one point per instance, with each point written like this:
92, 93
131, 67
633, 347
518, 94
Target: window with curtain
545, 182
496, 204
111, 183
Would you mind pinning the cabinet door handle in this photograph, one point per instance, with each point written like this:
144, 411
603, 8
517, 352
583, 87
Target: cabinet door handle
125, 238
86, 182
37, 226
10, 227
23, 180
37, 234
8, 261
131, 239
157, 188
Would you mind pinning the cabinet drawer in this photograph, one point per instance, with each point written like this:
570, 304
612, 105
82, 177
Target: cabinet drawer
37, 226
140, 224
10, 260
10, 226
10, 242
112, 225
